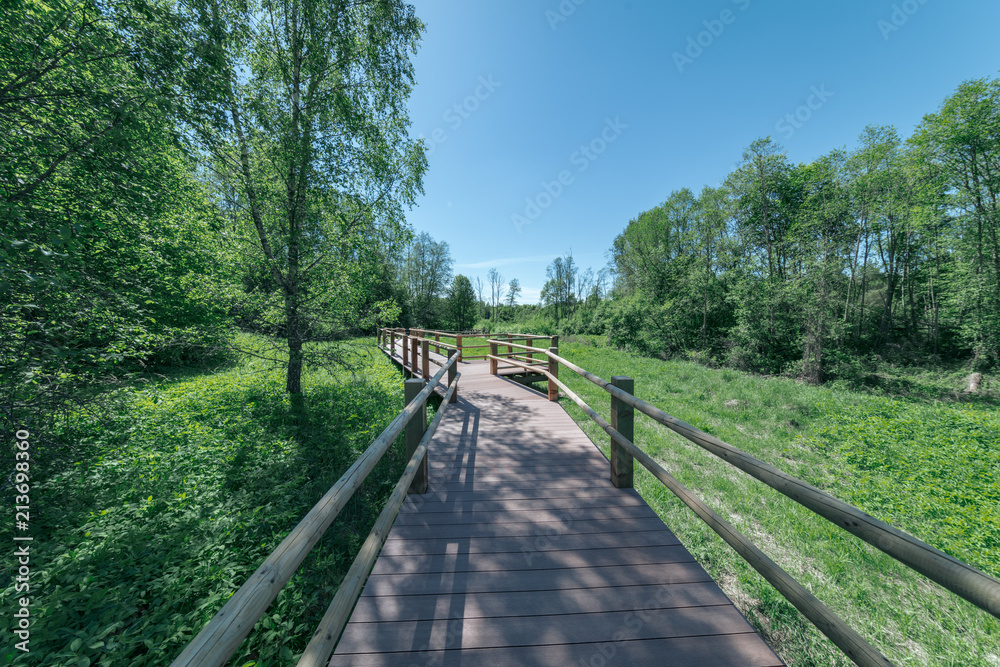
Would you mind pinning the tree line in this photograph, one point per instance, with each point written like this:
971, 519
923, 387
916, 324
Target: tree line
887, 251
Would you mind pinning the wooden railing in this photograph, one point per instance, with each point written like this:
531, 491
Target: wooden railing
220, 638
960, 578
411, 340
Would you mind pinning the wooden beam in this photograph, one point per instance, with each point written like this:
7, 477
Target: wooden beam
452, 373
415, 432
622, 420
554, 373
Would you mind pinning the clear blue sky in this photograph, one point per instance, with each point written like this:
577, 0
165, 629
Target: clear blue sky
536, 81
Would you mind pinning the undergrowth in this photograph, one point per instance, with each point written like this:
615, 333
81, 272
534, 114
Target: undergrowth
142, 539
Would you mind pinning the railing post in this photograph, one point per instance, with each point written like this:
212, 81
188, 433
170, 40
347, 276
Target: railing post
554, 372
458, 344
406, 351
531, 343
510, 350
493, 361
414, 432
414, 346
425, 350
452, 371
623, 421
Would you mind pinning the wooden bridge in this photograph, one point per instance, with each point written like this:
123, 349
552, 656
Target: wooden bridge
512, 540
522, 552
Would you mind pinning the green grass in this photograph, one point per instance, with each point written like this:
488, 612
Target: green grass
166, 514
929, 467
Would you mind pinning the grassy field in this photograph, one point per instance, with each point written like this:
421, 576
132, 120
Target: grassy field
176, 501
920, 460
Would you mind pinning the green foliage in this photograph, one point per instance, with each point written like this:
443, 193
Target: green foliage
889, 250
461, 303
107, 260
162, 517
933, 469
426, 274
303, 125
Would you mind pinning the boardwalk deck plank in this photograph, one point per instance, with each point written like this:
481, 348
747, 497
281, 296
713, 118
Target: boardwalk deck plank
524, 553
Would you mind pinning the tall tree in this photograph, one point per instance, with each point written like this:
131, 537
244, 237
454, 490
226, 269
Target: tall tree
963, 140
820, 237
105, 239
304, 109
428, 274
480, 288
497, 291
513, 291
558, 289
462, 303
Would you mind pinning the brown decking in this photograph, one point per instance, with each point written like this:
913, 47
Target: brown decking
523, 553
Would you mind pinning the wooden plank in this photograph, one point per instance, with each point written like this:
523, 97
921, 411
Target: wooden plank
509, 561
745, 650
524, 516
529, 529
529, 493
539, 603
501, 505
534, 580
557, 629
518, 544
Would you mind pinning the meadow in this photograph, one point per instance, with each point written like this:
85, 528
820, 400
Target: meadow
181, 487
914, 455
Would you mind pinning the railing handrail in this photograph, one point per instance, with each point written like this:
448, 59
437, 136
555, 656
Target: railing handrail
221, 636
328, 631
957, 576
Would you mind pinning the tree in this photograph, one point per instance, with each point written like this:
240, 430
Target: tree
963, 141
558, 289
820, 237
106, 240
462, 303
303, 107
497, 291
428, 274
513, 291
480, 288
759, 190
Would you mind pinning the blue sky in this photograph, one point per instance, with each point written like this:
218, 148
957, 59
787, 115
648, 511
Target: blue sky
552, 123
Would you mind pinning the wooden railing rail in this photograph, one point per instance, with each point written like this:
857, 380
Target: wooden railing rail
387, 338
962, 579
325, 638
222, 635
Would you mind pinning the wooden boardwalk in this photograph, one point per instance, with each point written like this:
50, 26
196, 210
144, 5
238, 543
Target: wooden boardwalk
523, 553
